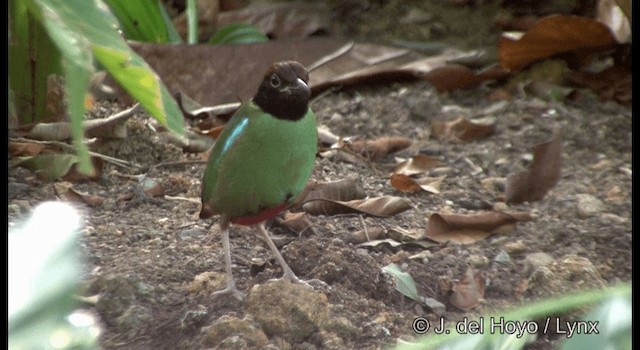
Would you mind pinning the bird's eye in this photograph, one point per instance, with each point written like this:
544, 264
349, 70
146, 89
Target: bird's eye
275, 80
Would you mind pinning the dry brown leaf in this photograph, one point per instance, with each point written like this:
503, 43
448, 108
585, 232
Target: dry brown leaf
461, 130
455, 77
418, 164
469, 292
553, 35
466, 229
406, 184
611, 13
371, 234
73, 175
613, 83
205, 81
376, 150
543, 173
219, 74
401, 235
297, 222
340, 190
384, 206
282, 20
66, 192
29, 149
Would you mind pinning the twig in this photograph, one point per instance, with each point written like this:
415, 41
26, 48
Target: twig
184, 199
364, 225
108, 159
332, 56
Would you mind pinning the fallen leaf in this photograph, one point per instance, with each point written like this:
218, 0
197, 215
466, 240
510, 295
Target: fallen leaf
611, 13
384, 206
204, 81
220, 74
326, 137
340, 190
74, 175
66, 192
417, 164
112, 127
48, 166
543, 173
553, 35
376, 150
402, 235
297, 222
369, 63
404, 282
461, 130
405, 183
29, 149
466, 229
469, 292
371, 234
376, 242
282, 20
613, 83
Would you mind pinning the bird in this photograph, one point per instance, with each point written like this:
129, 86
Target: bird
262, 160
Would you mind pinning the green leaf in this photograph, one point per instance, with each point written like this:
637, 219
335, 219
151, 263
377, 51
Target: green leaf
404, 282
141, 20
238, 33
142, 83
50, 166
174, 37
44, 271
614, 327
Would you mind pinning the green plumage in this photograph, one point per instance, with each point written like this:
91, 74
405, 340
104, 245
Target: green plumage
259, 162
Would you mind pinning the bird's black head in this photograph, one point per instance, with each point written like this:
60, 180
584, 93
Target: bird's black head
284, 92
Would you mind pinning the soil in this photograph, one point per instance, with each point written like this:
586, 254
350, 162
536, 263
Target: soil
154, 264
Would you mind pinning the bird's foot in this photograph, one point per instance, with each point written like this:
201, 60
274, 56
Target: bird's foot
231, 289
314, 284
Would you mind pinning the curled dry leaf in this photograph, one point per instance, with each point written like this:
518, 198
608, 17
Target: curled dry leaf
553, 35
371, 234
340, 190
58, 165
384, 206
469, 292
417, 164
611, 13
66, 192
466, 229
406, 184
613, 83
543, 173
377, 149
28, 149
461, 130
297, 222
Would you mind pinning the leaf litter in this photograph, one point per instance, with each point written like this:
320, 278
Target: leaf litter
151, 240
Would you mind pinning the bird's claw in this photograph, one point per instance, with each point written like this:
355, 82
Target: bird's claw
231, 289
314, 284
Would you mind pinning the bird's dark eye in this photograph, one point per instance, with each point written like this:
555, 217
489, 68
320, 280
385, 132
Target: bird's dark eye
275, 80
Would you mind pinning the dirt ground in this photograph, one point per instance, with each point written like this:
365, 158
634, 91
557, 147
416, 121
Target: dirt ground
154, 264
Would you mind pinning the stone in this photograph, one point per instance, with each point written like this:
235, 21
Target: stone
289, 310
